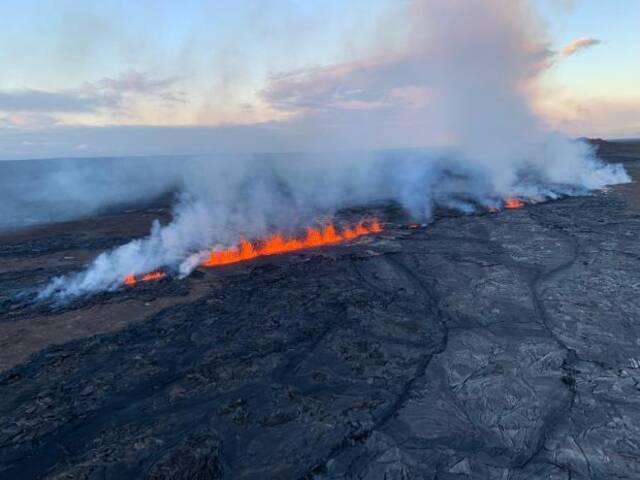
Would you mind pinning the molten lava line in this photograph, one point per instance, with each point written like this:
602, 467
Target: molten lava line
133, 279
511, 202
273, 245
278, 243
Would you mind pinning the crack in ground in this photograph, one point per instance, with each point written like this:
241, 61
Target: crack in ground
401, 399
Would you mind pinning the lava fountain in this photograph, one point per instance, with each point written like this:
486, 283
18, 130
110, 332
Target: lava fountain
133, 279
273, 245
511, 202
278, 243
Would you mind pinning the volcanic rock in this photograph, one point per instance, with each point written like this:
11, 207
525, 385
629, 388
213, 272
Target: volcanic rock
489, 346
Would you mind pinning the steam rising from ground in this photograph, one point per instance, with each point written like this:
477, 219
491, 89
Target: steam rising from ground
468, 73
40, 191
254, 196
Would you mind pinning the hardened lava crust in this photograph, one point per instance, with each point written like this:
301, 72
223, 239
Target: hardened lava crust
489, 346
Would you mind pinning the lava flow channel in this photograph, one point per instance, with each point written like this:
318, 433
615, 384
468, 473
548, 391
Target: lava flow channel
278, 243
273, 245
511, 202
133, 279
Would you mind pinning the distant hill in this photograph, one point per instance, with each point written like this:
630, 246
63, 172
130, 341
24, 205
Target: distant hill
616, 150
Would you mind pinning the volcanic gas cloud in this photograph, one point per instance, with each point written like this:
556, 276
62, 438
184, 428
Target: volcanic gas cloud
274, 244
463, 76
278, 243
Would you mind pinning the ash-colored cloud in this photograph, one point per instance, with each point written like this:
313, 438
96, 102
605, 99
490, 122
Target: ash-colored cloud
27, 100
371, 84
27, 120
91, 97
136, 83
578, 45
464, 86
442, 86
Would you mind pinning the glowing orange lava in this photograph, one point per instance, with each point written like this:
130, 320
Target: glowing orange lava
132, 279
278, 243
511, 202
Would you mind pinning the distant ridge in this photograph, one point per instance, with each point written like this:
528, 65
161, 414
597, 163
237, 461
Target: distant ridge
617, 150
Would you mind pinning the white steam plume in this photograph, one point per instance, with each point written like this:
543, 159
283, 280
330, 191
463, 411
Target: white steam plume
40, 191
468, 73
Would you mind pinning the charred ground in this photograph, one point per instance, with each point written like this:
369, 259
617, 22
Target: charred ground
493, 346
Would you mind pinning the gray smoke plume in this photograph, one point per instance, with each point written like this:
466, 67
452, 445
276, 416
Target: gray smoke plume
41, 191
468, 73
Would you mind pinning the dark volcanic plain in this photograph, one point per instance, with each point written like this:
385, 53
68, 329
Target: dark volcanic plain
497, 346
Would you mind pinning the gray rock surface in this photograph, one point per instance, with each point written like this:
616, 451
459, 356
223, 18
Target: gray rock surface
498, 346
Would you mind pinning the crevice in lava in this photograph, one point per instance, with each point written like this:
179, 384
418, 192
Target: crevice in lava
360, 437
571, 355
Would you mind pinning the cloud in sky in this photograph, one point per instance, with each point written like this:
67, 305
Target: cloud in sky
579, 45
135, 83
109, 94
620, 118
371, 84
444, 86
27, 100
282, 87
27, 120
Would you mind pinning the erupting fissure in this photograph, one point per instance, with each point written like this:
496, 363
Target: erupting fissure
273, 245
278, 243
512, 202
133, 279
509, 202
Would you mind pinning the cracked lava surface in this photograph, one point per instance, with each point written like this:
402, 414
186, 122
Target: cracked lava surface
490, 347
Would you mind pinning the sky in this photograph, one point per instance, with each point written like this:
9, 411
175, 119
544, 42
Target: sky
193, 76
